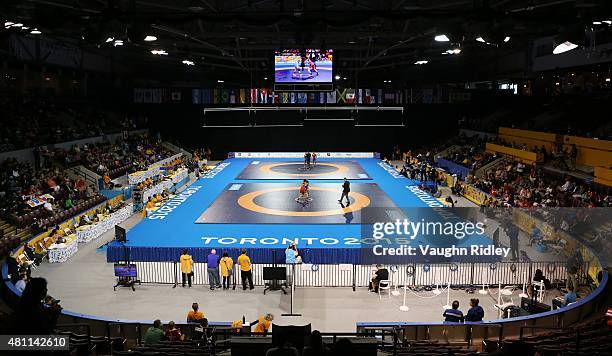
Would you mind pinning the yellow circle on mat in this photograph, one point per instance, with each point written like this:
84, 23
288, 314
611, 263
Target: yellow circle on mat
267, 168
247, 201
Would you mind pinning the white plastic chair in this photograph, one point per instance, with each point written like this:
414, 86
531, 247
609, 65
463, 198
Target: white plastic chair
384, 284
540, 289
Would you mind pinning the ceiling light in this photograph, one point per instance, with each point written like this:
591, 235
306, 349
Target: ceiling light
564, 47
118, 43
25, 28
557, 83
441, 38
110, 39
352, 42
344, 78
608, 22
452, 51
607, 79
8, 24
265, 78
596, 22
220, 81
159, 52
150, 38
507, 38
337, 77
421, 62
35, 32
480, 39
188, 62
19, 24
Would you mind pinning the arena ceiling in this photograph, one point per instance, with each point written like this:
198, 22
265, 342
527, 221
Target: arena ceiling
241, 35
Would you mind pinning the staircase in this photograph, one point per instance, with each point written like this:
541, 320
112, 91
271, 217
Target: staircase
10, 230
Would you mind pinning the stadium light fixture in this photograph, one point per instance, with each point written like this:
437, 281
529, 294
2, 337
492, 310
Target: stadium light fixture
8, 24
480, 39
188, 62
441, 38
18, 24
607, 22
596, 22
118, 43
159, 52
265, 78
452, 51
35, 32
564, 47
220, 81
421, 62
150, 38
337, 77
608, 80
110, 39
344, 78
506, 39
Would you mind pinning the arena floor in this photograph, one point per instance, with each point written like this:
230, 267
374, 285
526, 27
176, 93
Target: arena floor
84, 285
255, 198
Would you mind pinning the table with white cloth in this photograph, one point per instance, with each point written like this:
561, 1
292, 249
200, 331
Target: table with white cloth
61, 252
168, 183
89, 232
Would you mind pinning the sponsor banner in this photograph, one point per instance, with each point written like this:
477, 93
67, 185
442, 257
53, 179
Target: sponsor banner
301, 154
218, 168
173, 203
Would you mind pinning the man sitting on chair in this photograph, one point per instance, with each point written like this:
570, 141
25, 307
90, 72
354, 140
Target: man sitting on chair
381, 274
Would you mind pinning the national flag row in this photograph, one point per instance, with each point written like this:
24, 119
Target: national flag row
347, 96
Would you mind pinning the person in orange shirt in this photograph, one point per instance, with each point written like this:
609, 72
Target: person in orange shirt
195, 315
245, 269
263, 323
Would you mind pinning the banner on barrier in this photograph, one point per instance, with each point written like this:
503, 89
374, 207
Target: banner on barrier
301, 154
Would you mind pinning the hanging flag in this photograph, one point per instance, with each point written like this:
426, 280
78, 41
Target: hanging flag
331, 97
350, 96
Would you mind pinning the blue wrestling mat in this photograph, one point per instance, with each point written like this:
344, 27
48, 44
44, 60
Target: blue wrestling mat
235, 206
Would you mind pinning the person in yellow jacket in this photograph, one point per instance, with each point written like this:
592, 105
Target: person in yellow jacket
186, 267
226, 266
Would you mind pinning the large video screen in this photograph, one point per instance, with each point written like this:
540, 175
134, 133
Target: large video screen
303, 66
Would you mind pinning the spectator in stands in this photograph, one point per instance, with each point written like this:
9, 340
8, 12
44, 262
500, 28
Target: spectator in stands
381, 274
245, 270
186, 267
476, 313
154, 333
262, 325
226, 266
569, 297
212, 261
343, 347
173, 333
453, 315
316, 346
31, 317
449, 200
21, 283
285, 348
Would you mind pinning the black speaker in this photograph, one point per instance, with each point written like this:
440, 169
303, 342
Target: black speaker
120, 234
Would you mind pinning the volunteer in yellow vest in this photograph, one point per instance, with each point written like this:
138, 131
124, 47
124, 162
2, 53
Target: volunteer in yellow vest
226, 267
245, 270
263, 323
186, 267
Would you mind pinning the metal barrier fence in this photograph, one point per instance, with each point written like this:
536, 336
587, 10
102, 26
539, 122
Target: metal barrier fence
348, 275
